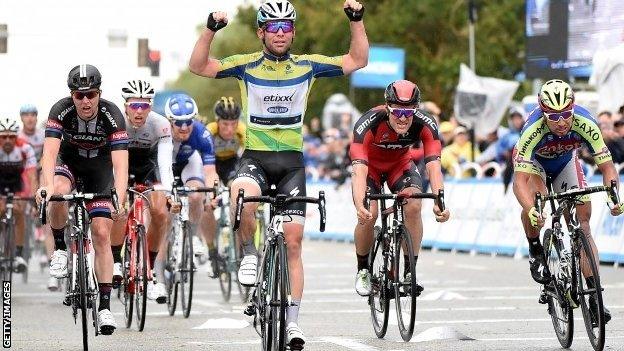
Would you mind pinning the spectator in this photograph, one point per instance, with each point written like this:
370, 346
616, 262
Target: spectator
446, 132
458, 152
505, 146
311, 152
316, 128
335, 165
619, 127
614, 142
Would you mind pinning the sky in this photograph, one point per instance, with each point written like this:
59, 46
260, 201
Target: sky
48, 38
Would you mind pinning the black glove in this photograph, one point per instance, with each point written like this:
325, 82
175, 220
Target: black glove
214, 25
354, 16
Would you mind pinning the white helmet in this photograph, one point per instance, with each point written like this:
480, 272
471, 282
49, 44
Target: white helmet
8, 125
555, 95
180, 107
137, 89
275, 10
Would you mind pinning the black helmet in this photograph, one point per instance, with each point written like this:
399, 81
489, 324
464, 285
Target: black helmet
226, 108
84, 77
402, 92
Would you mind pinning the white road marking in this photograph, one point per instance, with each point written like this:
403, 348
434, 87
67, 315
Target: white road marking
224, 323
472, 267
350, 344
443, 295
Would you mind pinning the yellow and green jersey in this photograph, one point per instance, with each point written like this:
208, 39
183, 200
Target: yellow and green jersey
274, 94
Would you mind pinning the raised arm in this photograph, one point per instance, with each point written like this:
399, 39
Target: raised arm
358, 50
200, 62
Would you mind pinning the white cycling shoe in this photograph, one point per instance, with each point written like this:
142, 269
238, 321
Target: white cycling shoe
106, 322
363, 282
248, 270
157, 291
295, 336
53, 284
58, 264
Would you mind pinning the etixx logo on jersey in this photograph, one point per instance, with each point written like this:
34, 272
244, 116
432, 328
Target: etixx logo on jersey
279, 98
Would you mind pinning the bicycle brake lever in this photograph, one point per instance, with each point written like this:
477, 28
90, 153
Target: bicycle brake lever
42, 207
322, 211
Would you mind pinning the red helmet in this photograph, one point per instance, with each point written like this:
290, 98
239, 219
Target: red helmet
402, 92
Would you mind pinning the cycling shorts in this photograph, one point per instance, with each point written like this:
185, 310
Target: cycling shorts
402, 175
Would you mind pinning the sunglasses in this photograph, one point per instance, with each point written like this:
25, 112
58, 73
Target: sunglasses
557, 116
79, 95
184, 123
274, 27
8, 136
138, 105
402, 112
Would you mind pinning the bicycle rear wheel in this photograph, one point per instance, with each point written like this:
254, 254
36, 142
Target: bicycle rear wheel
559, 308
170, 274
405, 287
140, 276
378, 299
7, 255
82, 290
590, 298
186, 271
223, 259
128, 283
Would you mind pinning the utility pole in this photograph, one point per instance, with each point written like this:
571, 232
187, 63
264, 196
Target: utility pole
472, 18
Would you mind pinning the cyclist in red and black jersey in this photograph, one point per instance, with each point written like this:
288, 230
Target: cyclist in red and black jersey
380, 153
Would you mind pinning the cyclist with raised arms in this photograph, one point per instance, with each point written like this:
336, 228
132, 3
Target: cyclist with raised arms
86, 140
228, 135
381, 150
548, 148
194, 163
150, 152
18, 175
274, 88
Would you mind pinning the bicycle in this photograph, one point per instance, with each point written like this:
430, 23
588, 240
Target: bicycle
567, 290
81, 290
7, 241
388, 268
179, 266
136, 268
271, 295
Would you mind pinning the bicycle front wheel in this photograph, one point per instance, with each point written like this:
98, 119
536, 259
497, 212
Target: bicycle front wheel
140, 276
128, 283
7, 249
223, 258
559, 308
378, 299
82, 290
186, 271
590, 298
171, 283
276, 323
405, 287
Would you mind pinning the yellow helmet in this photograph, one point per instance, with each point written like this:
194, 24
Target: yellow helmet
555, 95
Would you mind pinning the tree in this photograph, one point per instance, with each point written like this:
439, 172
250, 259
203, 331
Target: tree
434, 34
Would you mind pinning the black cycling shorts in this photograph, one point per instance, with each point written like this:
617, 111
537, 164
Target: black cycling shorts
96, 176
409, 178
284, 169
226, 169
148, 176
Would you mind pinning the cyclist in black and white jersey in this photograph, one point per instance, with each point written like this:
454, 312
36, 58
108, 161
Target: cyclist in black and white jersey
88, 135
150, 150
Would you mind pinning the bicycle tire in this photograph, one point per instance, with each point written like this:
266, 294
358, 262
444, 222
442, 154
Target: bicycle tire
7, 262
170, 274
283, 295
140, 276
404, 296
186, 271
223, 271
260, 295
128, 283
597, 341
82, 287
378, 299
559, 309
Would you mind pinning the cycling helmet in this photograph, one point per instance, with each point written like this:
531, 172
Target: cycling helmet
402, 92
28, 108
226, 108
555, 95
180, 107
137, 89
275, 10
84, 77
8, 125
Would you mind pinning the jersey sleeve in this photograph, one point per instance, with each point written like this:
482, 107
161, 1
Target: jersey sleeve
533, 131
588, 129
432, 147
117, 136
54, 125
233, 66
362, 137
206, 148
325, 66
30, 161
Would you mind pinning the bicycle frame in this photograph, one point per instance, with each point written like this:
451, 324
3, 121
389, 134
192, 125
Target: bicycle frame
135, 220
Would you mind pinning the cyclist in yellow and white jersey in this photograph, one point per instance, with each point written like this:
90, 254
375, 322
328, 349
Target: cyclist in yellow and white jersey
274, 89
228, 135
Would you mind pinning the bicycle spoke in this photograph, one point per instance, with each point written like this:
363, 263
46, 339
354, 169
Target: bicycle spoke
378, 299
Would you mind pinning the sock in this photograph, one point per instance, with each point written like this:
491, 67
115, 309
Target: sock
362, 261
535, 247
59, 239
105, 291
292, 315
152, 258
159, 270
116, 249
211, 245
249, 248
18, 250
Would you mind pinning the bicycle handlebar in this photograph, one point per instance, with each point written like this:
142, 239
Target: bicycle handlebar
572, 193
280, 201
74, 198
439, 198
